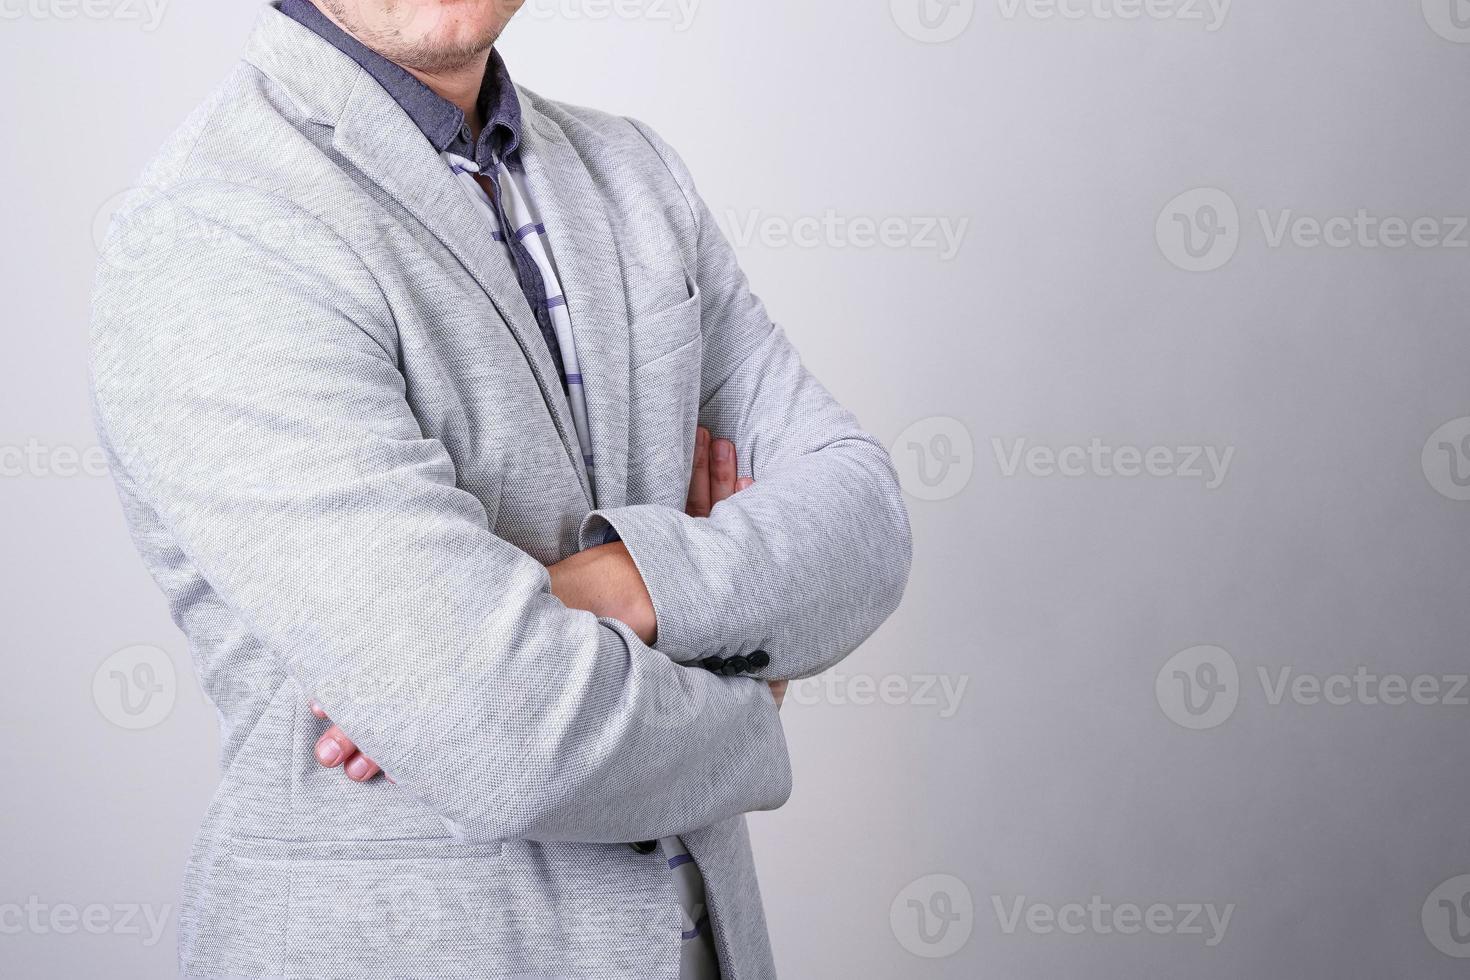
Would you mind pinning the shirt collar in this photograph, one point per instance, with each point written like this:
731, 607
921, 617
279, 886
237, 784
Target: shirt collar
441, 121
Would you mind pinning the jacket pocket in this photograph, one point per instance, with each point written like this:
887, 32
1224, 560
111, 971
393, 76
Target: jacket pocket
656, 335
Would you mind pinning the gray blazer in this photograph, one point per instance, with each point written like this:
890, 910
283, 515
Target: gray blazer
345, 456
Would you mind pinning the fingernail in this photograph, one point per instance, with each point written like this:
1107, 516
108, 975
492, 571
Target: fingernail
701, 438
357, 768
724, 451
328, 752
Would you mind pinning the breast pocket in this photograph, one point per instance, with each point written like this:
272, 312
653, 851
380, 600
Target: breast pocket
667, 354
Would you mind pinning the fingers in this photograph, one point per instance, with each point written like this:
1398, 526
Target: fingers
722, 472
361, 768
778, 691
715, 474
699, 489
334, 749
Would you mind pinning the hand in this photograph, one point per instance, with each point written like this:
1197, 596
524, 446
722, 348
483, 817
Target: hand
778, 691
713, 477
334, 748
605, 581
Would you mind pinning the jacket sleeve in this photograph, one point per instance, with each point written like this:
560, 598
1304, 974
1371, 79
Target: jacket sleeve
808, 562
249, 386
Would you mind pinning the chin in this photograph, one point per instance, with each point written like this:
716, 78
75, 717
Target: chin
456, 29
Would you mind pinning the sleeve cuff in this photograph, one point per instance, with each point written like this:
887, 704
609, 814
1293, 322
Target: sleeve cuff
688, 614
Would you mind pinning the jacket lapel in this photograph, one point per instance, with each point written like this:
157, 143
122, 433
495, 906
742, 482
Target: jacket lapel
581, 242
378, 138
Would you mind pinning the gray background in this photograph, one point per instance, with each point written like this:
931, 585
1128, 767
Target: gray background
1057, 600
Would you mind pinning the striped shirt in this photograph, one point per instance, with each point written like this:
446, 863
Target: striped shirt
696, 953
528, 232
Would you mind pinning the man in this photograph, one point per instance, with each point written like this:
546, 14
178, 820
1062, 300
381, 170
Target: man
400, 383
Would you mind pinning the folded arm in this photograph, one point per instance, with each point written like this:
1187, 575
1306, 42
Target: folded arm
807, 563
587, 580
256, 401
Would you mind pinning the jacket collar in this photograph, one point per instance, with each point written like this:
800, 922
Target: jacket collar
441, 121
377, 139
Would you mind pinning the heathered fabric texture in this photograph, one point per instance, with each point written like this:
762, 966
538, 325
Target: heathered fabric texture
346, 458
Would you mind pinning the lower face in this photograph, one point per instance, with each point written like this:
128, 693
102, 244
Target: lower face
431, 35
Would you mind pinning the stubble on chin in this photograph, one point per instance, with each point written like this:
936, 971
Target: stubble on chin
428, 37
